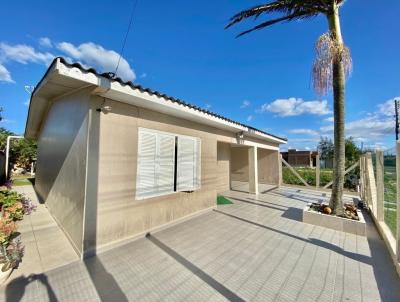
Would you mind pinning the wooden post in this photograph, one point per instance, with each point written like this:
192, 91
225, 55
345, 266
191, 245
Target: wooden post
295, 172
362, 183
379, 185
317, 171
398, 200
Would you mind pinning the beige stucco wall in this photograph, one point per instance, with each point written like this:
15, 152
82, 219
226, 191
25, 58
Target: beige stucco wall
61, 164
239, 164
268, 166
87, 164
120, 215
223, 167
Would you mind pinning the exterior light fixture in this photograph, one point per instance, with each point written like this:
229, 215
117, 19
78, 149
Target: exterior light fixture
240, 135
104, 109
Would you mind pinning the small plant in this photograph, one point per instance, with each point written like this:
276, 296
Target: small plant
7, 229
11, 255
13, 207
28, 205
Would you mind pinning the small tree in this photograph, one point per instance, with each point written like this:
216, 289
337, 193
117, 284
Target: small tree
24, 152
353, 152
4, 133
325, 148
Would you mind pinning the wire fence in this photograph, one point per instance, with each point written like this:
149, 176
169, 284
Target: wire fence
390, 193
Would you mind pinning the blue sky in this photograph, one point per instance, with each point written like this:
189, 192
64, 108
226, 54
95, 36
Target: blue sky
181, 48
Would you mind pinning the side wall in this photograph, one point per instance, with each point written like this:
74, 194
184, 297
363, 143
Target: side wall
121, 217
268, 166
239, 164
223, 167
61, 164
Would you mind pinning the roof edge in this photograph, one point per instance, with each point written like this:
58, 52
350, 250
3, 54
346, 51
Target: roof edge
112, 78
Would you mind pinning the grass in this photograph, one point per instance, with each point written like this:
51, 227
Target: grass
308, 174
221, 200
390, 214
23, 180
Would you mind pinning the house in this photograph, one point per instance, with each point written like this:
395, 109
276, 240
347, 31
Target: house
297, 158
116, 161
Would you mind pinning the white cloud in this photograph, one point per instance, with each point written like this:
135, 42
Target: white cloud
143, 75
6, 121
296, 106
304, 140
304, 131
45, 42
208, 106
369, 128
387, 108
5, 75
88, 54
245, 104
329, 119
99, 57
23, 54
249, 118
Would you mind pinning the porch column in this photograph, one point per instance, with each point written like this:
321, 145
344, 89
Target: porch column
253, 170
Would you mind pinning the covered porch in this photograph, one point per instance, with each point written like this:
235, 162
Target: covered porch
244, 168
256, 249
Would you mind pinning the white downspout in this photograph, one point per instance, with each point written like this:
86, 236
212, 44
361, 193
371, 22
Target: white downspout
8, 150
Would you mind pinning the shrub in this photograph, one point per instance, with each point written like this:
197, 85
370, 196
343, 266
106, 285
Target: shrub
11, 254
13, 207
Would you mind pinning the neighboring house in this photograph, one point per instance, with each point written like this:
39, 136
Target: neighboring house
116, 161
297, 158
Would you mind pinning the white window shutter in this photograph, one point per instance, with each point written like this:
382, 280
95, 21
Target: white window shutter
166, 163
198, 164
146, 176
188, 168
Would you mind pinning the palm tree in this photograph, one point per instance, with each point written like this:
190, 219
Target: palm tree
331, 67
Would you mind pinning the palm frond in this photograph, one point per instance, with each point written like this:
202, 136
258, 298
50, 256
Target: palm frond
274, 21
291, 10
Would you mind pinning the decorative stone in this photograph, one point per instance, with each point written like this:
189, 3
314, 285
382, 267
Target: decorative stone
352, 225
327, 210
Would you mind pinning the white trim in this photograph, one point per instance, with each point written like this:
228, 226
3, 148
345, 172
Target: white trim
125, 93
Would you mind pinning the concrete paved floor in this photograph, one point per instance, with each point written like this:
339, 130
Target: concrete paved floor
46, 246
253, 250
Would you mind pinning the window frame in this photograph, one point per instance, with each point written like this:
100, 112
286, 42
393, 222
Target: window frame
175, 190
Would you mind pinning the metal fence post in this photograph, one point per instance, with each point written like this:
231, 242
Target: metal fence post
317, 171
380, 185
398, 200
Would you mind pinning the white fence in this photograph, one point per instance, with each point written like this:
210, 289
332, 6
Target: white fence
372, 192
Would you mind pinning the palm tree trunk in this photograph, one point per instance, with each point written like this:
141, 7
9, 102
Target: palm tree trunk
336, 201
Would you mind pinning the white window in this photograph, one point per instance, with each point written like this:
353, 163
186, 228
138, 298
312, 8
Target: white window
188, 164
156, 164
160, 171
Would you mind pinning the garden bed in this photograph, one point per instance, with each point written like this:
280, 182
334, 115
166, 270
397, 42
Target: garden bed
316, 216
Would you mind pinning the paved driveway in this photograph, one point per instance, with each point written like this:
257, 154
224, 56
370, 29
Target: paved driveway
253, 250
